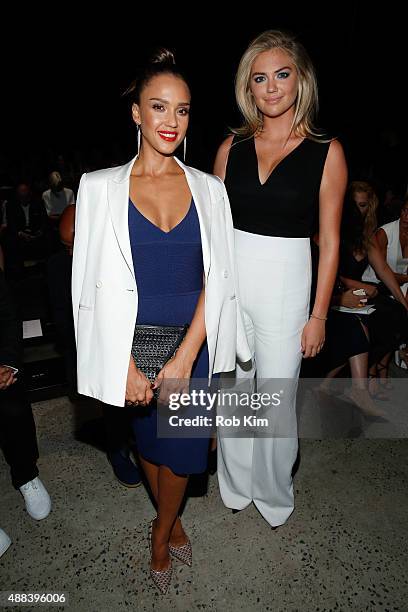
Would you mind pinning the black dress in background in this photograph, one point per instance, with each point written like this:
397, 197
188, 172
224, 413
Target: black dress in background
387, 326
345, 336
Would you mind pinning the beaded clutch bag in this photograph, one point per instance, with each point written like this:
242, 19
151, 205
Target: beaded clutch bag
154, 345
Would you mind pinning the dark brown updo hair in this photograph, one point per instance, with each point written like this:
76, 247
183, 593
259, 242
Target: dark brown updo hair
162, 61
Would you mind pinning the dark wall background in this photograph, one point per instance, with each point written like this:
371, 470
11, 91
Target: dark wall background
63, 76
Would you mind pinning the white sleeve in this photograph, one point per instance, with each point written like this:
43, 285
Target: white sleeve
47, 202
243, 350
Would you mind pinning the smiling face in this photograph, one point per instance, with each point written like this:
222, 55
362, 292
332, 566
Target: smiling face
274, 82
163, 113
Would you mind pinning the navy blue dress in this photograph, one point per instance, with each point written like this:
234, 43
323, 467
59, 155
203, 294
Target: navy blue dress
169, 276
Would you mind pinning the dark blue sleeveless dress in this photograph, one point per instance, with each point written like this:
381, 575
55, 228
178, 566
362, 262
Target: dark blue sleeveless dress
169, 276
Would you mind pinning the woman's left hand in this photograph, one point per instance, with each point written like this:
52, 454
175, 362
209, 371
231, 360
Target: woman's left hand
313, 337
174, 377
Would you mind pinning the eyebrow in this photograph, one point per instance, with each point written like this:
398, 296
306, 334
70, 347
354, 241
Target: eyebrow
276, 71
166, 101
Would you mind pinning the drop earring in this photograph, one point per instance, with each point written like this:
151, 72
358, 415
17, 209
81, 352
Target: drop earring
185, 147
138, 138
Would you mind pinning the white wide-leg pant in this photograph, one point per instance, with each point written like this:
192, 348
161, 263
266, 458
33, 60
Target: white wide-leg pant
274, 277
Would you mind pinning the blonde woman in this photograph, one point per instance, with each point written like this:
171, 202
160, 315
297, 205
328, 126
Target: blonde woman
282, 180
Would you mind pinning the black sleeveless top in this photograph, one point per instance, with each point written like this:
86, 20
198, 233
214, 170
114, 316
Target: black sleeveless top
287, 205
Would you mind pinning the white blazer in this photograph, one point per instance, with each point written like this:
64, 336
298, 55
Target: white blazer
104, 291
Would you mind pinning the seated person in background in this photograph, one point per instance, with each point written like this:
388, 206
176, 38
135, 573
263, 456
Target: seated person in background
346, 343
26, 225
385, 327
57, 197
17, 427
392, 240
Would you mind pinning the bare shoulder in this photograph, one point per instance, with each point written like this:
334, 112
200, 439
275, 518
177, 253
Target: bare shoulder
381, 236
226, 144
335, 175
221, 159
336, 151
335, 168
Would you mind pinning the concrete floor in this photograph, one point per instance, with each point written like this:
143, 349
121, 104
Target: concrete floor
344, 547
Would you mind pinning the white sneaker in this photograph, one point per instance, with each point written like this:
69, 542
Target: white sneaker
37, 500
4, 542
401, 357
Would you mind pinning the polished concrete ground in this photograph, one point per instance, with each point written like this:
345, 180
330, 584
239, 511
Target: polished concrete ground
344, 547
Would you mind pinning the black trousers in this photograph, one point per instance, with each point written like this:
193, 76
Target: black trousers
18, 438
118, 427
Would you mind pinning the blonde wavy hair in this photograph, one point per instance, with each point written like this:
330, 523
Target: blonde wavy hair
307, 96
370, 218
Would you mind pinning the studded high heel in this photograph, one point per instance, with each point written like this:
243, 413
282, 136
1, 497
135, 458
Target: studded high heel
183, 553
161, 578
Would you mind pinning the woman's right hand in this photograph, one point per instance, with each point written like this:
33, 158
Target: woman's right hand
6, 377
350, 300
138, 387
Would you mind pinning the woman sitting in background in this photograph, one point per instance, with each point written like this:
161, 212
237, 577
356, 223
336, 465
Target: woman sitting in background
358, 248
392, 240
346, 344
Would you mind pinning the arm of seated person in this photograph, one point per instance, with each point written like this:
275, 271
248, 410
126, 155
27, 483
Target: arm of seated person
348, 299
350, 283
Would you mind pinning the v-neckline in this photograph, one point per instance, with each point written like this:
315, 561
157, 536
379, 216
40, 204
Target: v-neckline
156, 226
277, 165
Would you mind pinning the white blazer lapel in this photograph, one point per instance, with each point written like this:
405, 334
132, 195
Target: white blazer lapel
118, 201
202, 198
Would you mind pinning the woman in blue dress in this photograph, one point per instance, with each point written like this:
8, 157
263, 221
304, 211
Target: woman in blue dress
179, 222
154, 244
